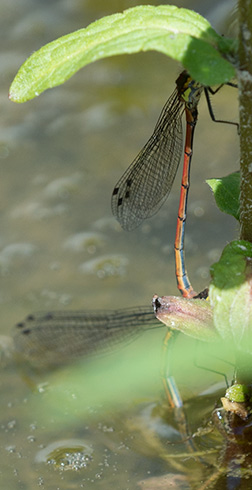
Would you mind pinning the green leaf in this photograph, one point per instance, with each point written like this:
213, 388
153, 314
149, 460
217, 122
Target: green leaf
180, 33
227, 192
230, 271
230, 295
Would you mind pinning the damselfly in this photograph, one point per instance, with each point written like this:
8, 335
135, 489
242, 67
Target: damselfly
145, 185
48, 340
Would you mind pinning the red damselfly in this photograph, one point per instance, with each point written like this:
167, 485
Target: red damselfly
145, 185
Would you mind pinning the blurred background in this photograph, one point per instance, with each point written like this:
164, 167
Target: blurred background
60, 157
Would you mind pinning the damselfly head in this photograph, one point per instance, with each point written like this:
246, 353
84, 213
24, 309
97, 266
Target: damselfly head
183, 80
189, 91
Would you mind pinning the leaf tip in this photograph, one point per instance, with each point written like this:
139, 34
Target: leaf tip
13, 96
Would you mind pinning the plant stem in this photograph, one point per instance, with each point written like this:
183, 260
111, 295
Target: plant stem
245, 103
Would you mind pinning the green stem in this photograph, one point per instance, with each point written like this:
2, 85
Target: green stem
245, 102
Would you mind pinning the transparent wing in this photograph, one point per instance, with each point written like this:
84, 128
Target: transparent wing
147, 182
51, 339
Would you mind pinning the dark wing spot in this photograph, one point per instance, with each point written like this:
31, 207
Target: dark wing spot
20, 325
30, 318
115, 191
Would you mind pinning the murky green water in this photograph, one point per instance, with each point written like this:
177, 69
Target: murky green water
60, 248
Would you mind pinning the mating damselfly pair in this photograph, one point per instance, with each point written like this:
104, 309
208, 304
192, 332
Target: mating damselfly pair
138, 195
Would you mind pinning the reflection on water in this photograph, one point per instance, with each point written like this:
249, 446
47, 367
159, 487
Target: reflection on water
61, 155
